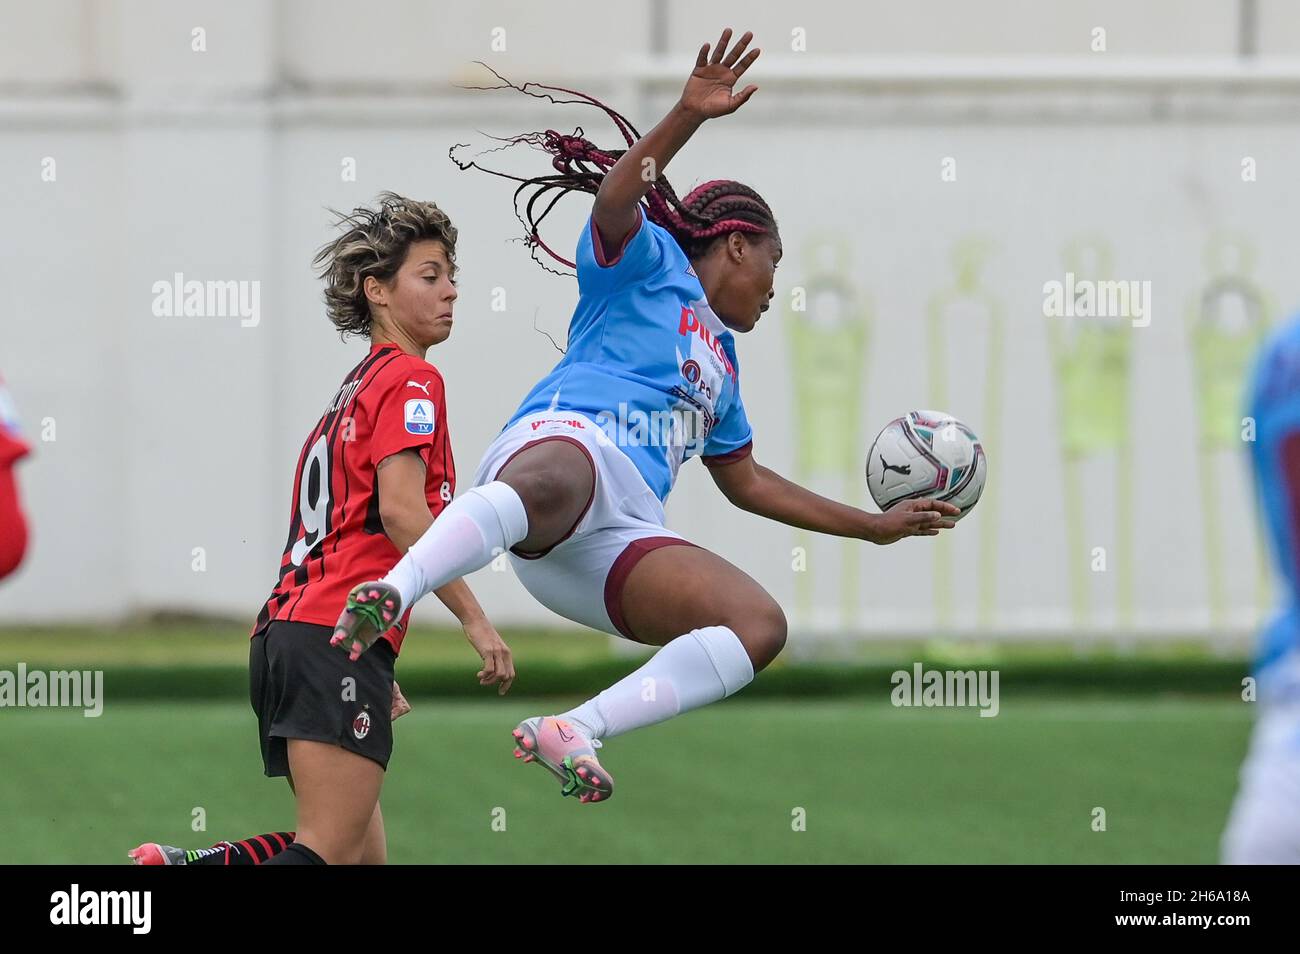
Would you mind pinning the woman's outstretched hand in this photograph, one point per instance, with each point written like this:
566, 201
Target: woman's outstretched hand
709, 89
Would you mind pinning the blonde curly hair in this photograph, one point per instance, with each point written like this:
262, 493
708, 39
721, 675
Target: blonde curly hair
375, 242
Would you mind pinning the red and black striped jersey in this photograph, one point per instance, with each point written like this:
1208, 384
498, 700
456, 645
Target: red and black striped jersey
390, 402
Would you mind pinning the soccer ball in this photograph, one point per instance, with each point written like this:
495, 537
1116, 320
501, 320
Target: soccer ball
926, 454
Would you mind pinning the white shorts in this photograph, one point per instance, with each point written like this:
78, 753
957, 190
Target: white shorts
1264, 826
582, 576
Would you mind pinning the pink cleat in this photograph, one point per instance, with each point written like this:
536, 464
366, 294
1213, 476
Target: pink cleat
152, 853
568, 753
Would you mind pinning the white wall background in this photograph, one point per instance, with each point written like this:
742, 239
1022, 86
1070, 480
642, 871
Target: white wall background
177, 433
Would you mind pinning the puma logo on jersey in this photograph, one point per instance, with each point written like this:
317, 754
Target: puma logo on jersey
423, 387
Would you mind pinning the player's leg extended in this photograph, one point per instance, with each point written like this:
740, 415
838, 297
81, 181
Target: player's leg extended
537, 499
337, 792
717, 627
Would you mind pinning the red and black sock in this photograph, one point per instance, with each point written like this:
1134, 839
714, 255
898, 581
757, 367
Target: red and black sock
297, 854
256, 850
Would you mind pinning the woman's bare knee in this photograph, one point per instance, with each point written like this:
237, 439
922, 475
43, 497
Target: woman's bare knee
762, 629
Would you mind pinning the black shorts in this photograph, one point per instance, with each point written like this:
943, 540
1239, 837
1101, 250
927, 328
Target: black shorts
299, 687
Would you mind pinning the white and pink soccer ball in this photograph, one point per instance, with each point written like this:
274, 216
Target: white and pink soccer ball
926, 454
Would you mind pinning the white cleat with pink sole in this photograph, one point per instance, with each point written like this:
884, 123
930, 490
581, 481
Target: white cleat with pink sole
567, 753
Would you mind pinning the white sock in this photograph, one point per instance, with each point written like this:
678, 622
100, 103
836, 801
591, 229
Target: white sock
703, 666
476, 526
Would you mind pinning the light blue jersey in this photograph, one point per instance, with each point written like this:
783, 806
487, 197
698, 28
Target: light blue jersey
1275, 454
648, 360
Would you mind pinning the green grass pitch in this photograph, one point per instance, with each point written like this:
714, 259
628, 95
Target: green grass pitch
875, 783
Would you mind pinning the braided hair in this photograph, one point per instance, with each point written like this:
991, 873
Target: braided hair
709, 211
